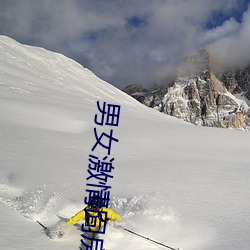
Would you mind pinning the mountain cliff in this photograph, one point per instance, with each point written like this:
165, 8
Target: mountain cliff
201, 96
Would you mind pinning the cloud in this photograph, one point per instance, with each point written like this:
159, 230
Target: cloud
228, 28
233, 49
121, 41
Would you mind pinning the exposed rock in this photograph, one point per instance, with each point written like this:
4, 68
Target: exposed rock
137, 91
237, 81
198, 96
133, 88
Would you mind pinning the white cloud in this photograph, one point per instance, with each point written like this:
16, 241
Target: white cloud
233, 50
97, 32
228, 28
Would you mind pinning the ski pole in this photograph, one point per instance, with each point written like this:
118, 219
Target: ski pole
45, 228
149, 239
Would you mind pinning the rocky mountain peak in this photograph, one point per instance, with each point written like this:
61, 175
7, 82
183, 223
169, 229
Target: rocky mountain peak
200, 96
197, 64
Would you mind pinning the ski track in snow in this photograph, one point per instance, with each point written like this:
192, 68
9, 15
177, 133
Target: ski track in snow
144, 214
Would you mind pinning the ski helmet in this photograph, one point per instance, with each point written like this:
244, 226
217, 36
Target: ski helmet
95, 201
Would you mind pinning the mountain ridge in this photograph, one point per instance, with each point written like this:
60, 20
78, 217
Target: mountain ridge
200, 95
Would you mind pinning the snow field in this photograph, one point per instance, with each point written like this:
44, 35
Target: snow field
182, 185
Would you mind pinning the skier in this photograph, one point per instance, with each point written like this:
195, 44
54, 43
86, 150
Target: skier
96, 219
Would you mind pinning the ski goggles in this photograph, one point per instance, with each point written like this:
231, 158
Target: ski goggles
94, 207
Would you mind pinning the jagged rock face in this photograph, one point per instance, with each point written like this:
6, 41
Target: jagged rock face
205, 102
137, 91
199, 97
237, 81
133, 88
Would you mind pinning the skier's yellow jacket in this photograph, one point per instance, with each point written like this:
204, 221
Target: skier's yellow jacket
111, 215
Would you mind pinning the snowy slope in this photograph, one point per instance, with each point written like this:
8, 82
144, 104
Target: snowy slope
182, 185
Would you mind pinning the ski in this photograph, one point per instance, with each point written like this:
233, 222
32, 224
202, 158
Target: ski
52, 233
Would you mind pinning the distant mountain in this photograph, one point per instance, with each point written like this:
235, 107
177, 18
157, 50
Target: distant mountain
237, 81
202, 96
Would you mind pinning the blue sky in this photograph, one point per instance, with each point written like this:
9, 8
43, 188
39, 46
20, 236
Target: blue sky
132, 41
218, 17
